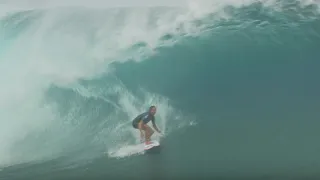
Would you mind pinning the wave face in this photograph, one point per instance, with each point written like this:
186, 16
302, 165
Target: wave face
235, 83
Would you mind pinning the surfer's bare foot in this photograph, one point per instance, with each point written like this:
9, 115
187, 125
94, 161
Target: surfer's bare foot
148, 142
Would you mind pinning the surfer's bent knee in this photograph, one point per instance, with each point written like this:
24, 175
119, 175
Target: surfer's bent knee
148, 128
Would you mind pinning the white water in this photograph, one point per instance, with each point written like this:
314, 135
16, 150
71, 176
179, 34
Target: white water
58, 48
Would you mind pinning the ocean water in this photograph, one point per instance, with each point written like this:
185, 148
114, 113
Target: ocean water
236, 84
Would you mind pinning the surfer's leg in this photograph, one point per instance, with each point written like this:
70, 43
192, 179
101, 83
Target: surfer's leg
149, 133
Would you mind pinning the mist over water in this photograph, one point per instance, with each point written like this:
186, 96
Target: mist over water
235, 83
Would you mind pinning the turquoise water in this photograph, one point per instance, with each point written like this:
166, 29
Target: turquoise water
236, 86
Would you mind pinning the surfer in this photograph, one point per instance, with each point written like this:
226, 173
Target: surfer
140, 122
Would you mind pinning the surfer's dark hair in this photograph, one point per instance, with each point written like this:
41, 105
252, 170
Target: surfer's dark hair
151, 107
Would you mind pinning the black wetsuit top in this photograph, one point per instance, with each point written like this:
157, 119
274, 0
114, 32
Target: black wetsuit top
145, 117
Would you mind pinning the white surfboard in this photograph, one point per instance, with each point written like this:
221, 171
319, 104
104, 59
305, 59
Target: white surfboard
153, 144
128, 150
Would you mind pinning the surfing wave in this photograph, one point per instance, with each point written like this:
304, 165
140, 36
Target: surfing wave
61, 94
